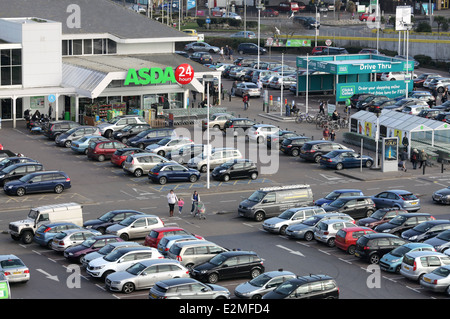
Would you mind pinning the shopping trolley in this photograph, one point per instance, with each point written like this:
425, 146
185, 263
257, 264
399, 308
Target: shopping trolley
199, 210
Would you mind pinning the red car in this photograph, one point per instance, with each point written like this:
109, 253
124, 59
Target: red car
366, 16
156, 234
1, 147
318, 49
346, 237
121, 155
270, 13
102, 150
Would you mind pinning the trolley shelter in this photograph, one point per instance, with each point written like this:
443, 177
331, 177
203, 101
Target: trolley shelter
345, 75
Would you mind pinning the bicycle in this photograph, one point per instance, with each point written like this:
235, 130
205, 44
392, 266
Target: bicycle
343, 122
303, 117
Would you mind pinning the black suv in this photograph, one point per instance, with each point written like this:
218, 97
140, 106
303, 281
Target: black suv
277, 138
55, 128
292, 145
239, 168
313, 150
426, 230
129, 131
372, 247
17, 171
230, 264
403, 222
238, 124
355, 206
110, 218
306, 287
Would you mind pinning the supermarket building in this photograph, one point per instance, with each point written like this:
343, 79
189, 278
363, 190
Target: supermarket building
56, 65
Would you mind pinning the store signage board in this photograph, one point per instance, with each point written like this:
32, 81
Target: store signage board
390, 89
183, 74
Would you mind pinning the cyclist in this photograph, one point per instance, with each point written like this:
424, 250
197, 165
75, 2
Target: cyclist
335, 116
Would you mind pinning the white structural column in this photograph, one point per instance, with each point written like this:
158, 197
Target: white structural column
14, 107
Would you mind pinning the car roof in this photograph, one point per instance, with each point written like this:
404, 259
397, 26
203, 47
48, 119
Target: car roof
438, 221
143, 215
175, 282
310, 278
346, 190
279, 272
238, 253
166, 229
24, 164
356, 228
135, 248
194, 243
263, 125
58, 224
9, 256
422, 253
124, 243
334, 220
47, 172
74, 230
353, 197
380, 235
150, 262
416, 245
409, 215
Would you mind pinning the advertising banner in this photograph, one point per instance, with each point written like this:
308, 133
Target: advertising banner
390, 149
391, 89
190, 4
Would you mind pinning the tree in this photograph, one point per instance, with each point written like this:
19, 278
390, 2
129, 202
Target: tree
440, 20
351, 7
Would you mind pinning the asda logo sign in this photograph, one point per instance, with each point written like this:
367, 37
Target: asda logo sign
183, 74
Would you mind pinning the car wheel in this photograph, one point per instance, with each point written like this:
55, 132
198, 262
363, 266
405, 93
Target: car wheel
254, 176
80, 259
216, 127
124, 140
108, 134
369, 164
392, 79
67, 144
351, 250
330, 242
59, 189
226, 178
369, 212
294, 152
309, 236
448, 291
317, 158
241, 52
27, 237
221, 297
141, 146
124, 236
106, 274
259, 216
374, 259
256, 296
397, 269
20, 191
101, 158
339, 166
259, 140
255, 273
85, 151
203, 169
161, 153
213, 278
283, 230
162, 180
138, 172
128, 288
193, 178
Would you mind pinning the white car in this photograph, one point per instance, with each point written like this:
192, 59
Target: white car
72, 237
105, 250
259, 132
218, 157
231, 15
120, 260
137, 8
14, 269
396, 76
414, 109
427, 82
167, 145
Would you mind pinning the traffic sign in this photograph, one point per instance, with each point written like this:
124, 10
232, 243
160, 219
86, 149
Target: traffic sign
328, 42
208, 20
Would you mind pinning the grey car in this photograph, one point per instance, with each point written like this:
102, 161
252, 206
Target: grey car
136, 226
438, 280
141, 163
14, 269
187, 288
441, 242
201, 47
264, 283
397, 198
305, 230
289, 217
65, 139
144, 275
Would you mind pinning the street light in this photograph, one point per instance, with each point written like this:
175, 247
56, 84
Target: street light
408, 76
317, 20
207, 80
259, 6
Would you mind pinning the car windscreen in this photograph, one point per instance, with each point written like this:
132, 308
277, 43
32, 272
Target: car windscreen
127, 221
399, 220
337, 203
136, 269
400, 251
444, 235
423, 227
257, 196
115, 255
88, 243
286, 288
107, 217
287, 214
218, 260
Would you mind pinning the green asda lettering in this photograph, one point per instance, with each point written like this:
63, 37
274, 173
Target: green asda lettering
146, 76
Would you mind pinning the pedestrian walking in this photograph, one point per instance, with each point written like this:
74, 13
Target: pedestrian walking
326, 133
348, 105
172, 200
414, 158
230, 53
226, 51
444, 96
288, 109
405, 141
259, 83
403, 159
332, 135
435, 95
195, 199
233, 88
322, 107
221, 52
423, 157
180, 205
245, 99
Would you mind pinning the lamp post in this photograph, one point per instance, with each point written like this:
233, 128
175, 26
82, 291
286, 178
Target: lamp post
408, 75
282, 84
377, 136
259, 6
207, 80
317, 20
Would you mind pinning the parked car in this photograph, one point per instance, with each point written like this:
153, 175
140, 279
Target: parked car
144, 275
318, 49
55, 128
340, 159
135, 226
313, 150
332, 51
381, 104
418, 82
428, 80
414, 109
396, 76
184, 153
392, 261
244, 34
227, 265
172, 172
334, 195
429, 113
187, 288
370, 51
77, 252
263, 284
231, 15
326, 230
119, 122
46, 181
401, 199
235, 169
372, 247
153, 238
355, 98
168, 144
71, 237
45, 233
129, 131
202, 57
193, 253
306, 287
441, 242
369, 101
309, 23
8, 161
424, 95
438, 280
105, 250
290, 217
292, 145
275, 140
259, 132
443, 117
305, 230
81, 146
216, 121
439, 84
167, 242
380, 216
14, 269
401, 104
110, 218
250, 48
140, 164
426, 230
191, 32
367, 16
121, 155
403, 222
249, 88
201, 47
346, 237
102, 150
66, 138
416, 264
286, 81
19, 170
149, 137
218, 157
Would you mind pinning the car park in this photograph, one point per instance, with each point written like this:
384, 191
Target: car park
136, 226
168, 144
130, 130
120, 155
227, 265
334, 195
416, 264
216, 121
140, 164
441, 242
202, 57
55, 128
110, 218
172, 172
194, 252
271, 201
306, 287
149, 137
14, 269
39, 182
102, 150
325, 231
71, 237
144, 274
392, 261
438, 280
426, 230
77, 252
218, 157
250, 48
46, 232
66, 138
105, 250
263, 284
167, 242
403, 222
235, 169
249, 88
81, 146
201, 47
19, 170
120, 259
290, 217
117, 123
187, 288
380, 216
153, 238
372, 247
340, 159
346, 237
313, 150
397, 198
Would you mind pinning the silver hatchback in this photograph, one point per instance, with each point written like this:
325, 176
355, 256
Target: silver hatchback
326, 230
72, 237
438, 280
261, 285
65, 139
290, 217
141, 163
187, 288
419, 263
136, 226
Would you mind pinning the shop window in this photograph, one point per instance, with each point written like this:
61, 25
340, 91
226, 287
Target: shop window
11, 69
112, 47
87, 46
98, 46
77, 47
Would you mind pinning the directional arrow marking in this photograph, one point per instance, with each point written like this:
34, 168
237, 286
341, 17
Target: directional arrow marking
55, 278
291, 251
330, 178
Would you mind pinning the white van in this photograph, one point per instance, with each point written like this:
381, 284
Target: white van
25, 229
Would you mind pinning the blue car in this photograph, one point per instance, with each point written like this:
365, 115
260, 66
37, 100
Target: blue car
336, 194
45, 233
80, 146
397, 198
392, 261
340, 159
151, 136
46, 181
171, 172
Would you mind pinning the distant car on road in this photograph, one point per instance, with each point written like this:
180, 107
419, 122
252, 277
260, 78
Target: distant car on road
244, 34
201, 47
